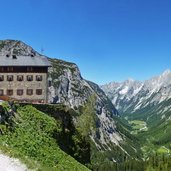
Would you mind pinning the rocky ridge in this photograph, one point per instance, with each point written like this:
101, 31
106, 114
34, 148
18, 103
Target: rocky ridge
131, 96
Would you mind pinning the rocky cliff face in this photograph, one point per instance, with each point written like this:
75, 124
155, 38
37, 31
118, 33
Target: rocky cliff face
67, 86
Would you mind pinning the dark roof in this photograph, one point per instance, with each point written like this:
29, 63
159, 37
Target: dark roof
24, 61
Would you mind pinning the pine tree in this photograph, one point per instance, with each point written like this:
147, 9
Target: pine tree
87, 120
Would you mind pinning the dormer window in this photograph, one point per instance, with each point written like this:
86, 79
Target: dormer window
38, 77
1, 78
9, 77
14, 57
20, 78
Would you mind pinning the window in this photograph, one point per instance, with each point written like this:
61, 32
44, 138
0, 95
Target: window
29, 78
9, 77
50, 83
9, 92
14, 57
1, 92
1, 78
29, 69
19, 92
19, 77
38, 77
9, 69
29, 92
2, 69
39, 91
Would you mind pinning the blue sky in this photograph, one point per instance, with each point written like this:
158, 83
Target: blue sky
110, 40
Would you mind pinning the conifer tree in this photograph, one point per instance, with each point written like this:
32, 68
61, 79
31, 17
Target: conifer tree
87, 120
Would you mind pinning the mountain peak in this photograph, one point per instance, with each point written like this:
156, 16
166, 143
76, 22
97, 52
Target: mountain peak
16, 47
166, 72
130, 79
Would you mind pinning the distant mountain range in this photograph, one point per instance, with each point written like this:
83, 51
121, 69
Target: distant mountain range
131, 95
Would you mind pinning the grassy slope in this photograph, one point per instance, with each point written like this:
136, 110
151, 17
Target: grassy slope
29, 136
